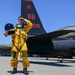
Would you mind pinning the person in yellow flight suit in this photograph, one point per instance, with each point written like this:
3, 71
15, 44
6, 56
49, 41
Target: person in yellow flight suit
19, 38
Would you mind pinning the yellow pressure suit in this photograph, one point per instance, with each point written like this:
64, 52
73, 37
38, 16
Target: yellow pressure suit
19, 45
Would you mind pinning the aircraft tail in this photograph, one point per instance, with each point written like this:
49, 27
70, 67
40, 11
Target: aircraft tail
28, 11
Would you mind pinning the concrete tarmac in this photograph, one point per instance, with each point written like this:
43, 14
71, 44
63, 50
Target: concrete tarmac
39, 66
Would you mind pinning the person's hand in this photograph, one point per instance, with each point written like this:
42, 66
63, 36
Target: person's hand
21, 18
6, 34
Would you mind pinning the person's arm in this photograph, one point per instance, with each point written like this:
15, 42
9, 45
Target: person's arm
11, 31
6, 34
29, 25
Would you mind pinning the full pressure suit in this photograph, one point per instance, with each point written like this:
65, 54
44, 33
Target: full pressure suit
19, 45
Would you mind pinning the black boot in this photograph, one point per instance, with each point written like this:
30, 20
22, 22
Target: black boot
25, 71
14, 71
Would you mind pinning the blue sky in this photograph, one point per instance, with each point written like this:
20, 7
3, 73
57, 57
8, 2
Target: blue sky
54, 14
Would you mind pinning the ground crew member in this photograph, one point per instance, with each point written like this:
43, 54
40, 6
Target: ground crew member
19, 38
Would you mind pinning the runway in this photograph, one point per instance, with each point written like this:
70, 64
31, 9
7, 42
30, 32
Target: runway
40, 66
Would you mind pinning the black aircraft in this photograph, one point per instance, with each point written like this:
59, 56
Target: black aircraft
40, 42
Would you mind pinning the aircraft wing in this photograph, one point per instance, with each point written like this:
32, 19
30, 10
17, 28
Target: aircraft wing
70, 35
43, 44
51, 35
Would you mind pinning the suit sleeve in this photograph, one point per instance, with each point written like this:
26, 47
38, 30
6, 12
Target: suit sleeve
29, 26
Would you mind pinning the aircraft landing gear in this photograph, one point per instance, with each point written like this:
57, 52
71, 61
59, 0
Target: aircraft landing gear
60, 59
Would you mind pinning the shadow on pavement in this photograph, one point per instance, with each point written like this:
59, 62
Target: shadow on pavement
21, 71
51, 64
